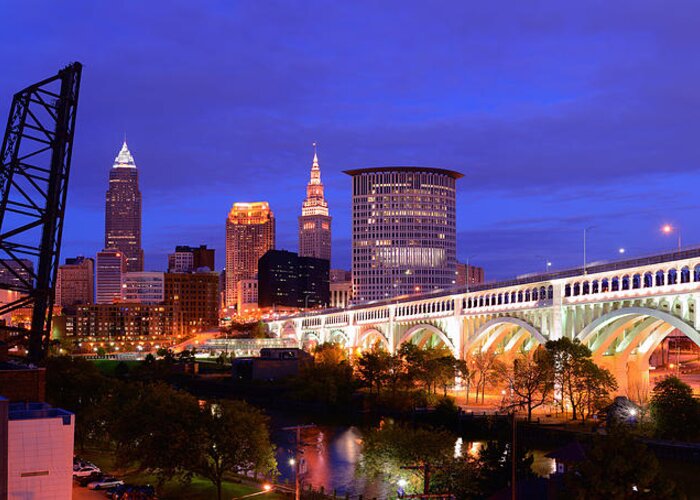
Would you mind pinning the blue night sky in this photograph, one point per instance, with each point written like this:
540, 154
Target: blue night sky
560, 116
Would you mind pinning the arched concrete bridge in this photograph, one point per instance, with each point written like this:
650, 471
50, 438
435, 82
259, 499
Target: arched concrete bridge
622, 310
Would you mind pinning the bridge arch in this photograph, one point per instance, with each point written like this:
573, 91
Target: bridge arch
417, 329
485, 331
370, 337
288, 329
594, 327
340, 337
310, 340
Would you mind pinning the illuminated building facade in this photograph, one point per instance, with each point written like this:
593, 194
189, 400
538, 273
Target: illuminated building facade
469, 275
75, 282
195, 297
250, 232
403, 231
123, 319
123, 210
143, 288
186, 259
315, 223
247, 297
111, 266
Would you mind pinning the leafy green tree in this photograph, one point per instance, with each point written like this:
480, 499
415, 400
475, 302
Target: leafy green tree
530, 381
373, 366
233, 438
618, 466
584, 386
76, 384
152, 427
675, 412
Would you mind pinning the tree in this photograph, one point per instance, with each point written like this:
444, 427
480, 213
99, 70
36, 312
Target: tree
76, 385
583, 385
259, 330
618, 466
330, 353
467, 375
675, 412
153, 427
372, 367
530, 380
233, 438
487, 368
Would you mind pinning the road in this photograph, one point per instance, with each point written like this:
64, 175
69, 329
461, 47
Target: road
80, 493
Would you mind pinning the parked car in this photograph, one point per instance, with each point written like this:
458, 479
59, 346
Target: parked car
131, 492
84, 481
105, 483
86, 470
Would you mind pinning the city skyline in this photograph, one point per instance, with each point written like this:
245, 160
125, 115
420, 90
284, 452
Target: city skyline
544, 122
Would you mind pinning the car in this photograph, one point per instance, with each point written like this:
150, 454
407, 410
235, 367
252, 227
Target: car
84, 481
86, 470
104, 483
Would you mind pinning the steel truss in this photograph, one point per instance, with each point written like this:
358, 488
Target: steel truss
36, 156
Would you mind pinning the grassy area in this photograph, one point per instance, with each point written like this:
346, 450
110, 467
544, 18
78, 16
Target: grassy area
197, 489
107, 366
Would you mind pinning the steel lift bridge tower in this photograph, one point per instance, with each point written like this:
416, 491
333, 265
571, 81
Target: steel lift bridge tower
34, 168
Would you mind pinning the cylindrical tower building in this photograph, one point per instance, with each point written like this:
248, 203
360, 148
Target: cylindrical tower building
403, 231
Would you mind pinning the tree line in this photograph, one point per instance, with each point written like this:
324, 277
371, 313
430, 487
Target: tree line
158, 429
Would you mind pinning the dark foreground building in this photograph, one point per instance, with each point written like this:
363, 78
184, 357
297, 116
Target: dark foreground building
285, 279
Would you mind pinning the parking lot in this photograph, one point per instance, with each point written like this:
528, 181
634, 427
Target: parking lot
86, 494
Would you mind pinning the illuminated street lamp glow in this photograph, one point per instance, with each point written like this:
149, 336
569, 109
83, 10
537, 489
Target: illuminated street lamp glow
292, 461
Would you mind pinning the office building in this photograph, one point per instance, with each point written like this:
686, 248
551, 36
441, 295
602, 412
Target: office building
467, 274
250, 232
340, 275
123, 320
314, 222
36, 451
288, 280
247, 297
15, 275
403, 231
195, 297
186, 259
75, 282
143, 287
123, 210
111, 266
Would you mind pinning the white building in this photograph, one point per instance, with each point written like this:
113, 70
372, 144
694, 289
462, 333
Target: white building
144, 287
36, 445
181, 262
111, 265
340, 293
403, 231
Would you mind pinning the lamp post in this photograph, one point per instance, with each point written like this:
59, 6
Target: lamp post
669, 229
547, 262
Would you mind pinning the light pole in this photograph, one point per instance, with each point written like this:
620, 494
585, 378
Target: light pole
547, 262
468, 273
669, 229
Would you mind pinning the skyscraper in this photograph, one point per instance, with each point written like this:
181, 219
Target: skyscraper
123, 210
111, 266
315, 223
403, 231
250, 232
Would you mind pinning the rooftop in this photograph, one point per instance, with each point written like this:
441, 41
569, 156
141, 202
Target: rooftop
32, 411
432, 170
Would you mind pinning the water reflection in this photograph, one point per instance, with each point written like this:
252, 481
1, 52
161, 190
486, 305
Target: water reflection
332, 455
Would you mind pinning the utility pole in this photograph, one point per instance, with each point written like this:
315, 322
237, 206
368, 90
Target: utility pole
514, 469
297, 453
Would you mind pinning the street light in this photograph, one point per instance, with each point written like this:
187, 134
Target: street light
585, 241
669, 229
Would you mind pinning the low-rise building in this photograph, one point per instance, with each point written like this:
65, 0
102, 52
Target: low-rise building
247, 297
123, 319
36, 451
273, 363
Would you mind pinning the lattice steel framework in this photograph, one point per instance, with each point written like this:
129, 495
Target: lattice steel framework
36, 155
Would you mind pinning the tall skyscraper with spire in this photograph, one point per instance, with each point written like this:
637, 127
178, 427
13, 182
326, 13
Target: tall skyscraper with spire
123, 210
315, 223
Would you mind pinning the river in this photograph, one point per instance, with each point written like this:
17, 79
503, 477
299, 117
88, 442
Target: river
332, 454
